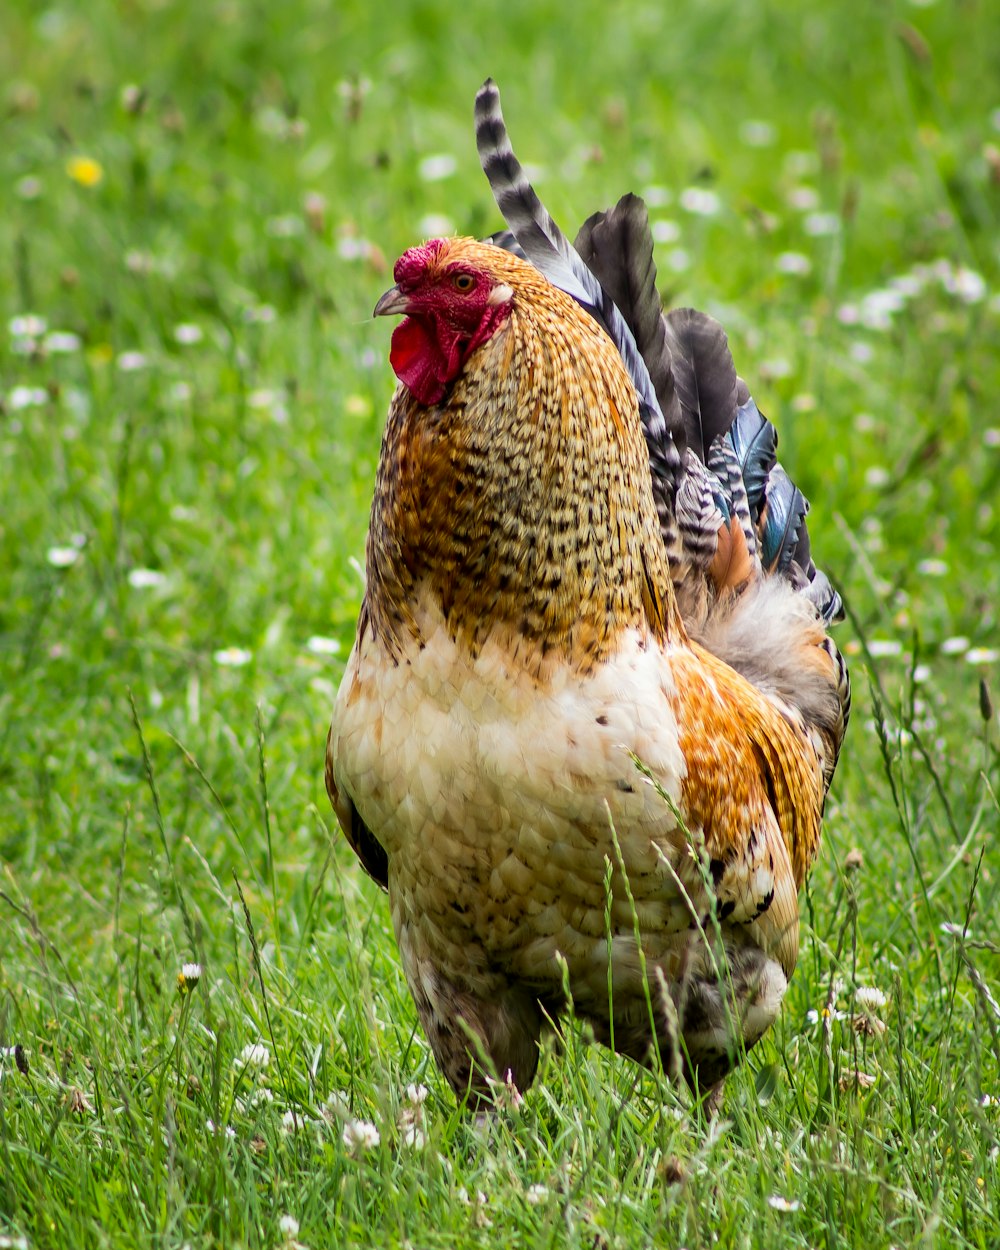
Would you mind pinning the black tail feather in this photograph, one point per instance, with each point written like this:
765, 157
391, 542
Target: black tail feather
755, 441
704, 375
617, 246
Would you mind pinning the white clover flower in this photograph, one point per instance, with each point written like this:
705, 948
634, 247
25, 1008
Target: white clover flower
26, 397
884, 648
131, 362
416, 1095
319, 645
478, 1201
413, 1137
848, 314
955, 646
777, 367
756, 133
665, 231
780, 1203
821, 224
232, 657
793, 263
186, 333
139, 262
908, 284
254, 1055
62, 341
263, 397
357, 405
803, 198
62, 557
360, 1135
287, 226
337, 1106
350, 247
288, 1226
272, 122
878, 307
27, 325
966, 284
259, 314
870, 998
700, 201
656, 196
143, 579
678, 259
861, 353
536, 1194
259, 1096
272, 402
28, 187
437, 167
314, 205
435, 225
982, 655
932, 567
214, 1129
353, 88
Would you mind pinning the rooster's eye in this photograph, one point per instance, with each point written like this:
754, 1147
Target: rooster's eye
463, 282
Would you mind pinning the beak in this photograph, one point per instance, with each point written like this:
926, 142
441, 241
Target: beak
393, 303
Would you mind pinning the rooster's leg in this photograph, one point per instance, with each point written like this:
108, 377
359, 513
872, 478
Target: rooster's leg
478, 1035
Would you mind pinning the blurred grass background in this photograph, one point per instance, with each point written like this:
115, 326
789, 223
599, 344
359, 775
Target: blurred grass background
201, 203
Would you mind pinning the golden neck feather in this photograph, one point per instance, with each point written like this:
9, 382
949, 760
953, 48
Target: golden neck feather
522, 502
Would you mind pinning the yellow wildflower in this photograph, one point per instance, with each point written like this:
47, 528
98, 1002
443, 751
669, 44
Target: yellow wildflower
84, 170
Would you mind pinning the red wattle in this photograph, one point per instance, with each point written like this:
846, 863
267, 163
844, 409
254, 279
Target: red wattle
417, 360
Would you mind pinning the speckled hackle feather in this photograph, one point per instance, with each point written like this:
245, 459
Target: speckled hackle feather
570, 568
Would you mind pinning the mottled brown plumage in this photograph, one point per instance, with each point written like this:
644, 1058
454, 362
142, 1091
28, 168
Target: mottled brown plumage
519, 648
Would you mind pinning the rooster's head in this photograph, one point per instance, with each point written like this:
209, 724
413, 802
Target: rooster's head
453, 301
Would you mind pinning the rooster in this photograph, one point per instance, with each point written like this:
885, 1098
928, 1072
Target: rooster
592, 711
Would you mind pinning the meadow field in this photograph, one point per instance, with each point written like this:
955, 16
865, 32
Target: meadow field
205, 1035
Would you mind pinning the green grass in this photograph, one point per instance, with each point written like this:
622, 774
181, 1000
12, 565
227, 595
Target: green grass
159, 807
